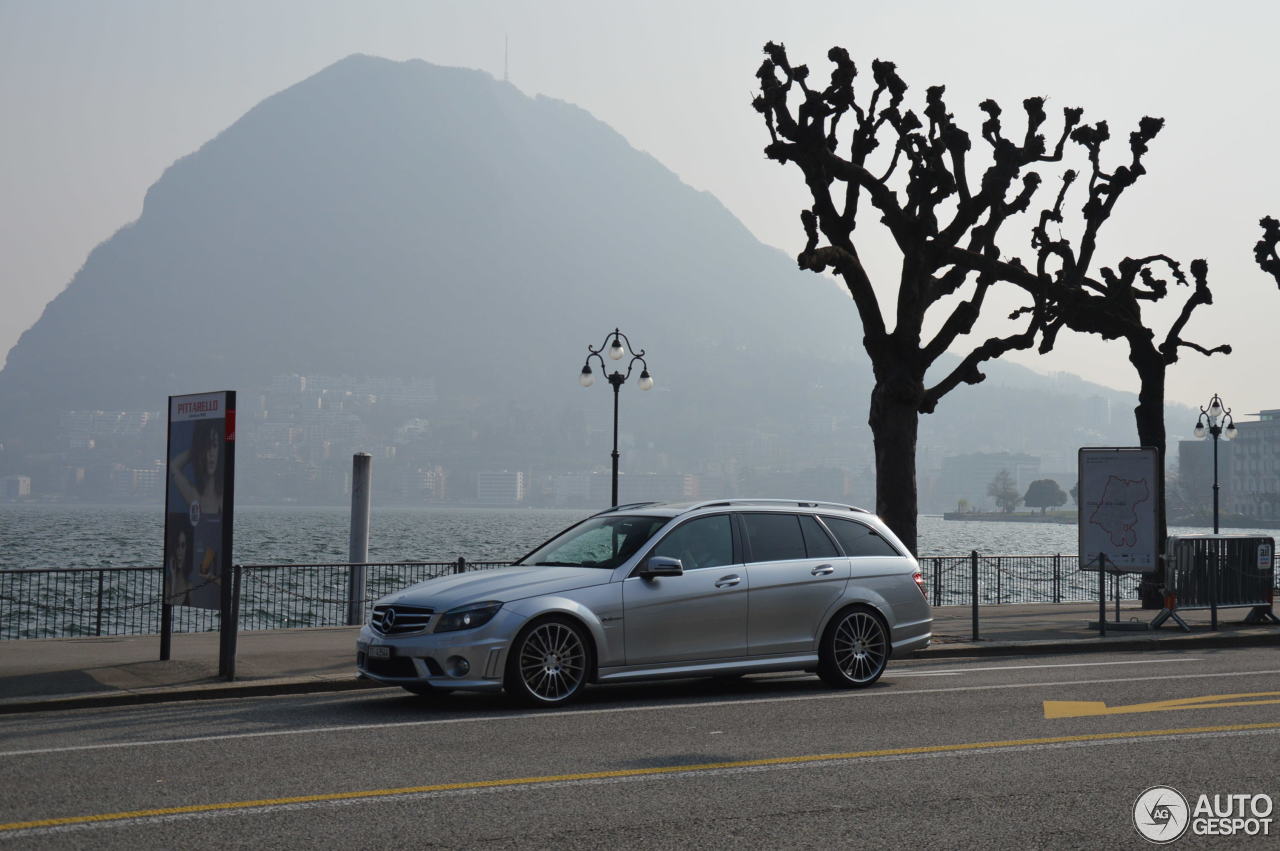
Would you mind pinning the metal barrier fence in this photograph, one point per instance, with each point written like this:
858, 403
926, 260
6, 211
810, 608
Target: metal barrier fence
60, 603
56, 603
1221, 571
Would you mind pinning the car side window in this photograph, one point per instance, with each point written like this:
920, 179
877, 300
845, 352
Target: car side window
817, 543
859, 540
702, 542
774, 537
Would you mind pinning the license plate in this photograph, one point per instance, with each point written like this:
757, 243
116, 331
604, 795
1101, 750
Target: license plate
379, 652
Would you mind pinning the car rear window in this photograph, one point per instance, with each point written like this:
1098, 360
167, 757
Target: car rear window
774, 537
817, 543
859, 540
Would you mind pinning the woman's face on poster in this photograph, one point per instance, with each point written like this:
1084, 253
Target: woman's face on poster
180, 549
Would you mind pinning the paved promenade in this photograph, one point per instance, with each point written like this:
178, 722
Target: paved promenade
66, 673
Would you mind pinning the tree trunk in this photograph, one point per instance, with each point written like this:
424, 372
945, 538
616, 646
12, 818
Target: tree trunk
894, 421
1149, 417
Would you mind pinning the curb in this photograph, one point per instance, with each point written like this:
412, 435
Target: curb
1095, 645
321, 686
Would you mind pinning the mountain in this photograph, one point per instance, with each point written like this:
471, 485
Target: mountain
400, 219
377, 216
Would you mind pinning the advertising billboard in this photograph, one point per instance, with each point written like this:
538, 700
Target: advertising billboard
1119, 509
199, 499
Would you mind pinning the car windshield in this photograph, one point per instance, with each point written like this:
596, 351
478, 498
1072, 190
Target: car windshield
604, 542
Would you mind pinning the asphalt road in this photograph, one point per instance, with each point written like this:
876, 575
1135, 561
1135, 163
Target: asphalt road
1041, 751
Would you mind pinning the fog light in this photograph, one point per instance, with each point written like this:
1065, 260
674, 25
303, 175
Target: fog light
456, 666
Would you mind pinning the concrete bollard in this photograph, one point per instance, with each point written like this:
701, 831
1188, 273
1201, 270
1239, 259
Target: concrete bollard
358, 551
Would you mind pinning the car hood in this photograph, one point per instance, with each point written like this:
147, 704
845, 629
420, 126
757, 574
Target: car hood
504, 584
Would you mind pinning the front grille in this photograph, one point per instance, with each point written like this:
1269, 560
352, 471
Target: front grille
397, 620
396, 666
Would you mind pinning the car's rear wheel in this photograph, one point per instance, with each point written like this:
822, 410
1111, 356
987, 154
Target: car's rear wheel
548, 663
854, 649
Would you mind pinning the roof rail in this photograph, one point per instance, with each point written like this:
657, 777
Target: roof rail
624, 507
799, 503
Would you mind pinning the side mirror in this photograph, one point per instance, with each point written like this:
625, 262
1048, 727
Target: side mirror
660, 566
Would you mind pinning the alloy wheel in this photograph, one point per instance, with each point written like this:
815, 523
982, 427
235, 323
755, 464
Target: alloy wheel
860, 647
553, 661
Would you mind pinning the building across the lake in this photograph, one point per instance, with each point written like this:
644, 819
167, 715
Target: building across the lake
1253, 468
1248, 470
500, 488
15, 487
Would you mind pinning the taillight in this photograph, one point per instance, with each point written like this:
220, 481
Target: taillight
919, 580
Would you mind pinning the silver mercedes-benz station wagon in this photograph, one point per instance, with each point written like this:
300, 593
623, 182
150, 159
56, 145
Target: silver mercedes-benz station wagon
650, 591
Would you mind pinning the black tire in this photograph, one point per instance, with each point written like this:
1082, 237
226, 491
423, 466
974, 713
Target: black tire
855, 648
549, 663
425, 689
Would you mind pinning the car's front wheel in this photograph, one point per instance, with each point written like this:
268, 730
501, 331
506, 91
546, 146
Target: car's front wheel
854, 649
548, 663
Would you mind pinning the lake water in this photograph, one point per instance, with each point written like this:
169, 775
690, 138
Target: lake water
46, 536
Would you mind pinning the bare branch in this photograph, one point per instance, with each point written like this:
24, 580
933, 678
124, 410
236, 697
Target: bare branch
1223, 349
1199, 295
961, 321
848, 265
968, 372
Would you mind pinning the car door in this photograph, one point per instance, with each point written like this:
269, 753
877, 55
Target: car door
796, 574
701, 614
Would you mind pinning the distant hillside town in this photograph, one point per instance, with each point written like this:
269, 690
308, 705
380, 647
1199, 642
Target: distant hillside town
296, 437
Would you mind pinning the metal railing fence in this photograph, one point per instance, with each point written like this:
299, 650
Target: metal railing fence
58, 603
1014, 579
71, 602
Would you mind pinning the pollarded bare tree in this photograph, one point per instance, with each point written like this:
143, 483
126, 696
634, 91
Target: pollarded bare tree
945, 229
1265, 251
1110, 305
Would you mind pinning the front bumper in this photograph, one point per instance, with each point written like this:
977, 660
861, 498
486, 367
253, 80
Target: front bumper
433, 659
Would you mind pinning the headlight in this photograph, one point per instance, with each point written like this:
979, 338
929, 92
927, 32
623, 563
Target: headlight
468, 617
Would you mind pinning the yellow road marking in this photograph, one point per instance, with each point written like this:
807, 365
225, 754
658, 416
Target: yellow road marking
1083, 708
633, 772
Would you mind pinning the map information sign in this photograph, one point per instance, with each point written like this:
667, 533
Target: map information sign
1119, 505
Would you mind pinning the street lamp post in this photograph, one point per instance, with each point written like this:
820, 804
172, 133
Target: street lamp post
1216, 422
616, 351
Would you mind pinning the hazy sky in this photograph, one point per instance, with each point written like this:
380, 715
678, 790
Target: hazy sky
98, 98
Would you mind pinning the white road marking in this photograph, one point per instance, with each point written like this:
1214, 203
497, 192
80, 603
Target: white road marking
664, 707
609, 781
958, 672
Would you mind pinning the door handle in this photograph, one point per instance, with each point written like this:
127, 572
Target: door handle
728, 581
823, 570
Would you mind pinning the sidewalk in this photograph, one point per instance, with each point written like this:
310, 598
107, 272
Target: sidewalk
69, 673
